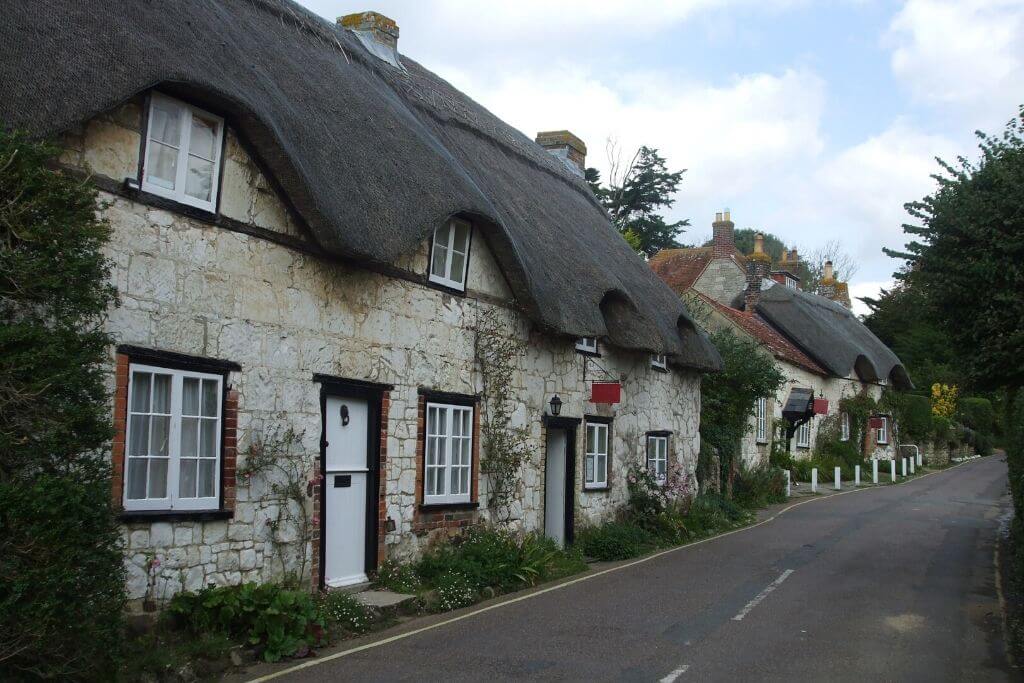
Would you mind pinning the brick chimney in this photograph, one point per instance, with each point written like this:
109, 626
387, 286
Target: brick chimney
565, 146
380, 28
723, 240
827, 286
758, 265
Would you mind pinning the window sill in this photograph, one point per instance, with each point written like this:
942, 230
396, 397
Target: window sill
663, 371
592, 354
174, 515
441, 507
597, 489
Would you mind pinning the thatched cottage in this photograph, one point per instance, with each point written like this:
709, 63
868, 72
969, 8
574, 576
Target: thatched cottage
818, 344
341, 279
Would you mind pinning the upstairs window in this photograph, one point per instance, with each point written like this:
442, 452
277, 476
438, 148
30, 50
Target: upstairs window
587, 345
448, 462
844, 427
657, 457
596, 460
449, 255
803, 435
792, 283
659, 362
762, 419
182, 155
173, 442
882, 433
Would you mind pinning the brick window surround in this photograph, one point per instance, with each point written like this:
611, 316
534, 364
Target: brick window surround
125, 356
452, 517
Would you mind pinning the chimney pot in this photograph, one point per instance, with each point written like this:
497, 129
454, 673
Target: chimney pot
828, 275
567, 147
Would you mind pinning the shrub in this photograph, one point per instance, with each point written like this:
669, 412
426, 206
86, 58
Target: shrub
281, 622
344, 611
617, 540
915, 418
62, 586
977, 414
397, 577
758, 488
710, 514
454, 590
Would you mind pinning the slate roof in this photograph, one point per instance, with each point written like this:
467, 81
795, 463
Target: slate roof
372, 157
758, 328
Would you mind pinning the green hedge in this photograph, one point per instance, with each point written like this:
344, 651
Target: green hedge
915, 420
978, 416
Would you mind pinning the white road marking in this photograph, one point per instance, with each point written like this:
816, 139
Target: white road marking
676, 673
762, 595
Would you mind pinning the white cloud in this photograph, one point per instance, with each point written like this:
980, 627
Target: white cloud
869, 289
965, 53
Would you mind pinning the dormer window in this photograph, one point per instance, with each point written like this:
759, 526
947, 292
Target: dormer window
659, 362
587, 345
182, 155
449, 254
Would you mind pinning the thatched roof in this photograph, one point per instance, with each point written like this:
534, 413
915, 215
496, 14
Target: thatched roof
372, 157
831, 334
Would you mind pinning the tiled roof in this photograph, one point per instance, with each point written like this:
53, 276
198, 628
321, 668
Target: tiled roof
758, 328
680, 268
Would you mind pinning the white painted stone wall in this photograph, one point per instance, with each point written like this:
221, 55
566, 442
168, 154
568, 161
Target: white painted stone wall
194, 288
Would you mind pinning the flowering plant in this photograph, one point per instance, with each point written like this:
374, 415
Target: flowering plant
944, 398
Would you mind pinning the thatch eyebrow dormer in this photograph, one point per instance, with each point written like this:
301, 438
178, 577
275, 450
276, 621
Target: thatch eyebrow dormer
373, 158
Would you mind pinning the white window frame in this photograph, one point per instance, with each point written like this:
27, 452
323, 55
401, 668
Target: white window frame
844, 427
434, 439
601, 431
172, 501
791, 282
882, 433
659, 361
803, 435
178, 193
761, 416
447, 278
587, 345
657, 445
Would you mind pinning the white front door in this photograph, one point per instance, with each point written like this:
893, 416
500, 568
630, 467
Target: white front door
345, 480
554, 486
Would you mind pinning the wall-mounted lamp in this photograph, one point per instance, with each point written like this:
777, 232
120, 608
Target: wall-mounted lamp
556, 405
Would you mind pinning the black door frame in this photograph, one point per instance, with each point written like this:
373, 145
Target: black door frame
569, 425
373, 393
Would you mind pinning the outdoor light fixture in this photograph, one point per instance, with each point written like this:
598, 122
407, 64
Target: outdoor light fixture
556, 405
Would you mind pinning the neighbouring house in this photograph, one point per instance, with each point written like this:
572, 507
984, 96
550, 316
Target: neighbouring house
819, 346
315, 242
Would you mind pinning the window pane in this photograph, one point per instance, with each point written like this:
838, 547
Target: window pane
590, 468
440, 257
199, 178
165, 123
456, 475
204, 138
138, 440
137, 478
602, 468
187, 478
602, 439
159, 443
158, 477
461, 243
208, 439
431, 481
206, 478
210, 398
162, 394
162, 165
458, 260
140, 392
591, 438
190, 396
189, 437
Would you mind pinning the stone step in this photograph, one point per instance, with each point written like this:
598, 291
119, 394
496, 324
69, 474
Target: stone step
386, 602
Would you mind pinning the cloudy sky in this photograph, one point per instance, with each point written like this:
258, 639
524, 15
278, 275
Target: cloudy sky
811, 119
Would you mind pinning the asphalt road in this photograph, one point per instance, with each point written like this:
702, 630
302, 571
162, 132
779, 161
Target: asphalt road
891, 584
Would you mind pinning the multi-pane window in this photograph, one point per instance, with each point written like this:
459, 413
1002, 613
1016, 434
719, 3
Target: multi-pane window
792, 283
596, 459
182, 156
450, 254
761, 415
587, 344
844, 427
803, 435
448, 460
882, 433
659, 362
172, 445
657, 457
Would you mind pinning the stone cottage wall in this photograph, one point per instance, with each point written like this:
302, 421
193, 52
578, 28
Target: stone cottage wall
192, 287
721, 280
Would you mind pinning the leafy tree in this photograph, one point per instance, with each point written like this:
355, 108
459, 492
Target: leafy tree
966, 255
728, 397
636, 195
744, 238
61, 572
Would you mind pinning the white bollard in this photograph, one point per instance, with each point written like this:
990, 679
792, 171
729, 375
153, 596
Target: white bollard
874, 471
919, 463
814, 480
838, 479
903, 468
856, 475
788, 485
912, 465
892, 470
